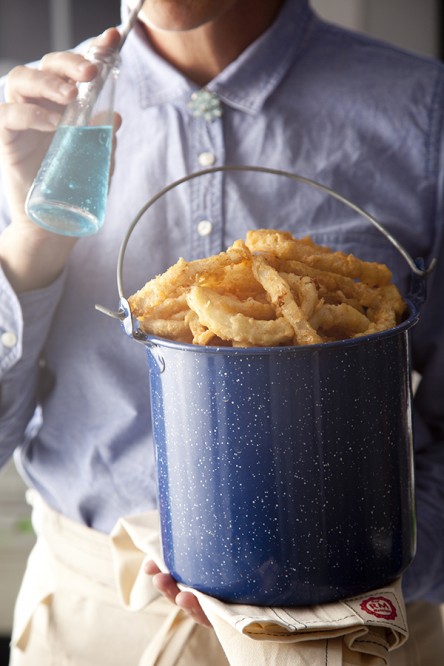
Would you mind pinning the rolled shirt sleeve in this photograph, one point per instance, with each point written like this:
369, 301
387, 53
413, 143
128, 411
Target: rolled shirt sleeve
24, 324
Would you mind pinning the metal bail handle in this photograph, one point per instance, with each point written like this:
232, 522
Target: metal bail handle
417, 267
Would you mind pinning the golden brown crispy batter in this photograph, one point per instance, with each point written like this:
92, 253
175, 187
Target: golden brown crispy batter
272, 290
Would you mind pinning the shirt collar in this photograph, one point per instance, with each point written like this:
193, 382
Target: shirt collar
245, 84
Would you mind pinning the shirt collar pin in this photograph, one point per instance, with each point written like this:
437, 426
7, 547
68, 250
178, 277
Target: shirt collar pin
205, 104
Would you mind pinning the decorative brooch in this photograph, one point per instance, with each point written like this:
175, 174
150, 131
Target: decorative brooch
205, 104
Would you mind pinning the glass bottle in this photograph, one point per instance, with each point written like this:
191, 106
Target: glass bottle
69, 193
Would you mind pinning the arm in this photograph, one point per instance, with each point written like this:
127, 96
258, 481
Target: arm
31, 259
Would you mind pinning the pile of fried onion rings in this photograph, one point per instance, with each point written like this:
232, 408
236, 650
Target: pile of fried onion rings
271, 289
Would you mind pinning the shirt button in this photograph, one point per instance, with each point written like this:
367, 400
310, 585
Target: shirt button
8, 339
206, 159
204, 227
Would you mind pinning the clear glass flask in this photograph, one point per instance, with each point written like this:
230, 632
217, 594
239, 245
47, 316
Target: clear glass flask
69, 193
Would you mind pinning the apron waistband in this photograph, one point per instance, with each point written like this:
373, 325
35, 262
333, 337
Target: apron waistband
82, 550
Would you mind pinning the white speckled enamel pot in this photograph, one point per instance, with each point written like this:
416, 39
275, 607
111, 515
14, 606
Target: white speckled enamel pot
285, 474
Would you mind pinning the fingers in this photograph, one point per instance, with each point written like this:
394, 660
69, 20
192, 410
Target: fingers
55, 79
151, 568
189, 603
18, 117
167, 586
103, 118
117, 123
110, 38
35, 98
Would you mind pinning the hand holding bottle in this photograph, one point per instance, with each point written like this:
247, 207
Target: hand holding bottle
35, 101
70, 191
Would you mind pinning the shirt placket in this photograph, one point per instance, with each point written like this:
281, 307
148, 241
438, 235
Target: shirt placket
207, 150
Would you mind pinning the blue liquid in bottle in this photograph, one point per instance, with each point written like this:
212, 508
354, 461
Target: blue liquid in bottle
70, 191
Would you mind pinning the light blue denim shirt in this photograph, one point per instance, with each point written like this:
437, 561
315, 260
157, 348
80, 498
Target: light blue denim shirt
356, 115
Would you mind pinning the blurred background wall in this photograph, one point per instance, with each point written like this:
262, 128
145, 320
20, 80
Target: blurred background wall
413, 24
29, 28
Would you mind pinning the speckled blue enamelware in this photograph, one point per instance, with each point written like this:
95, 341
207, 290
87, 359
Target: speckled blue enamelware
285, 474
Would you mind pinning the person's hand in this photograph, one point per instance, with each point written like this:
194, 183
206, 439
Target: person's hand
35, 101
167, 586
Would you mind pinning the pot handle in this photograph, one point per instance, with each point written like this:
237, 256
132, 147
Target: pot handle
419, 272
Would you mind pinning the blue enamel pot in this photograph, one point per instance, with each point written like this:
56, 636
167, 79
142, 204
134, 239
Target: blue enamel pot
285, 474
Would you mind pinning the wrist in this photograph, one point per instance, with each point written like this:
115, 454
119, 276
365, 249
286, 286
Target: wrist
33, 258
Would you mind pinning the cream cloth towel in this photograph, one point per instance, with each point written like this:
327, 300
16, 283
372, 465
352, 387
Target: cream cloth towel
357, 631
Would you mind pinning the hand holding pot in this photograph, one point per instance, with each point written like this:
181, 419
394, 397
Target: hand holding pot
167, 586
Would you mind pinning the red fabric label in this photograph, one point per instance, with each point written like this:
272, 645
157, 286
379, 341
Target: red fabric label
379, 607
